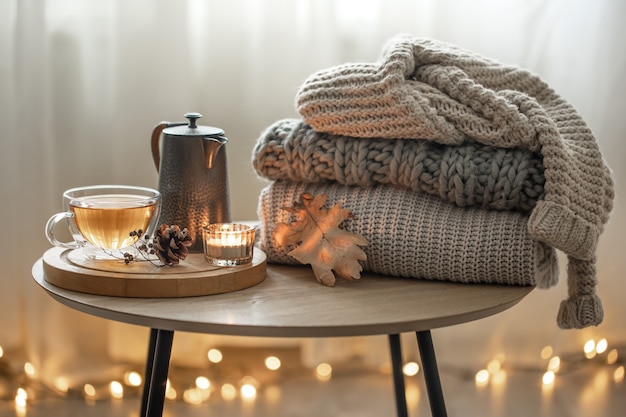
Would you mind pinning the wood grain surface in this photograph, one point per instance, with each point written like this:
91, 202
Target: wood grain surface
291, 303
70, 269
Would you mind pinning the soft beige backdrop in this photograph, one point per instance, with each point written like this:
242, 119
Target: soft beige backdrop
83, 83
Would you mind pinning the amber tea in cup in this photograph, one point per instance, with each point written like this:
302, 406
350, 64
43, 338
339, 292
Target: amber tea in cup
102, 218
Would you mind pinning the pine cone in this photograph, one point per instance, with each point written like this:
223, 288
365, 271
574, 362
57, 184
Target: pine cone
171, 244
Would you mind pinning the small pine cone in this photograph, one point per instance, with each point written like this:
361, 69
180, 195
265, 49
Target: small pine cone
171, 244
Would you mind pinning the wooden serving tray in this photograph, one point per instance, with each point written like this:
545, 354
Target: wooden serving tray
70, 269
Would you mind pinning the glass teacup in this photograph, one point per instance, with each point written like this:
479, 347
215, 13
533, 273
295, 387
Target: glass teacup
106, 220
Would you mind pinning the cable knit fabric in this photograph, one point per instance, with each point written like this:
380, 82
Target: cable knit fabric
425, 89
417, 235
469, 174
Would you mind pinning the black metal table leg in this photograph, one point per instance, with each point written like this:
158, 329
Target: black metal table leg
398, 377
431, 374
158, 377
148, 373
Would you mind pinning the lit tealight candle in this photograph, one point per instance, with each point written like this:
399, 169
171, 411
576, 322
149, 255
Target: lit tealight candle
227, 244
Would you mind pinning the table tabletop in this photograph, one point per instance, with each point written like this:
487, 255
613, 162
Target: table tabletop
289, 302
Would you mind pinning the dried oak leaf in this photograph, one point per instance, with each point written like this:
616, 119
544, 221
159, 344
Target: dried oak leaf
320, 242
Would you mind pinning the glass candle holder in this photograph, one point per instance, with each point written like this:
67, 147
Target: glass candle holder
228, 244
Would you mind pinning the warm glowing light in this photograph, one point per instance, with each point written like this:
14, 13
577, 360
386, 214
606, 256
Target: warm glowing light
590, 349
548, 378
170, 392
21, 393
229, 392
203, 382
612, 357
546, 352
410, 369
20, 402
116, 389
412, 396
29, 369
248, 387
1, 352
272, 363
132, 379
215, 355
482, 377
554, 364
493, 366
323, 371
248, 392
62, 384
193, 396
590, 355
89, 390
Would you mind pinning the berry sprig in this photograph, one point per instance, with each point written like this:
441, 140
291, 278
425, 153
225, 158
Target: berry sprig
170, 244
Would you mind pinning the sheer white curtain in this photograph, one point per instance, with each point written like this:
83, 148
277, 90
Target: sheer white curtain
83, 83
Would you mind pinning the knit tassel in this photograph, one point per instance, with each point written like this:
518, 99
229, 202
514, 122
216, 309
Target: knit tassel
583, 307
580, 312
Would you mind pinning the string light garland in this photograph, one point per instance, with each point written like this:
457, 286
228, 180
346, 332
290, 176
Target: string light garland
20, 383
594, 354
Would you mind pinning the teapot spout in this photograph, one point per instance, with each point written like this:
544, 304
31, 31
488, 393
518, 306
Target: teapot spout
212, 145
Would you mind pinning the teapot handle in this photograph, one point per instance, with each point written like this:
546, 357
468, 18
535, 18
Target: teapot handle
154, 142
156, 135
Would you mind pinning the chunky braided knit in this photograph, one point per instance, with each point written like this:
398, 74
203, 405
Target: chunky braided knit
425, 89
469, 174
417, 235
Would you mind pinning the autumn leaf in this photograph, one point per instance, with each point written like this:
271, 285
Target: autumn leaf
318, 240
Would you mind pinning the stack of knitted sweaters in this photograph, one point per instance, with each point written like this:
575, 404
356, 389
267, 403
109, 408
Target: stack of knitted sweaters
455, 166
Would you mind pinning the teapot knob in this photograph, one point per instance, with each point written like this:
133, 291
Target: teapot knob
192, 119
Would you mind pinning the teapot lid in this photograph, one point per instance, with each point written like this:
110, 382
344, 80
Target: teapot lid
192, 129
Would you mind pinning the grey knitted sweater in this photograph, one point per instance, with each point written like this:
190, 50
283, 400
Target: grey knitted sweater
469, 174
425, 89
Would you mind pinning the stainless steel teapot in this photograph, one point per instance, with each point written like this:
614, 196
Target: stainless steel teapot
193, 178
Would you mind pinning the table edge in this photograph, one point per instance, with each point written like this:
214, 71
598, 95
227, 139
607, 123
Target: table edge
57, 293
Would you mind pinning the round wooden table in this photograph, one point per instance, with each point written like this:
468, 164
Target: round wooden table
289, 302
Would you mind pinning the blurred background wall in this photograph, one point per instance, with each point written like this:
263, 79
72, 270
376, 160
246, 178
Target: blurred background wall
82, 84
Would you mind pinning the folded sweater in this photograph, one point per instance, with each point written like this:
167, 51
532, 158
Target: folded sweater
426, 89
468, 174
421, 236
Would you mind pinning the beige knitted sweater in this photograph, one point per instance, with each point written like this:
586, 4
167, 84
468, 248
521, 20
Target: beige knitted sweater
413, 234
425, 89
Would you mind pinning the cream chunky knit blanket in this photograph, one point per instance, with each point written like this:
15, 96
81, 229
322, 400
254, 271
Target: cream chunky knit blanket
428, 90
468, 174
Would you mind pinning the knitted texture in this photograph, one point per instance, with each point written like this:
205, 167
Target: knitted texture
417, 235
469, 174
425, 89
